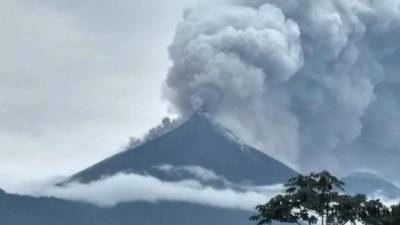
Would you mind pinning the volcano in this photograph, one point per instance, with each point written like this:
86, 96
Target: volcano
201, 142
370, 184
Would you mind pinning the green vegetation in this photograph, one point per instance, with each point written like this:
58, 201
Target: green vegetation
320, 197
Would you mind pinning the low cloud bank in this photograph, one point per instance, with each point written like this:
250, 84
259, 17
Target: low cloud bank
122, 188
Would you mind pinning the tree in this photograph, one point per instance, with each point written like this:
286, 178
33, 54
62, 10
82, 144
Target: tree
349, 209
374, 212
316, 193
386, 216
314, 198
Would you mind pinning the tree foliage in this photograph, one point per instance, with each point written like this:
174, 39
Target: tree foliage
320, 197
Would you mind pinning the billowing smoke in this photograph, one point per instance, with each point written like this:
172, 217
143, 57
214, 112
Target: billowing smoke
166, 125
312, 83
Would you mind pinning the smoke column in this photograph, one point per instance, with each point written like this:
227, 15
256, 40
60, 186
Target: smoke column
312, 83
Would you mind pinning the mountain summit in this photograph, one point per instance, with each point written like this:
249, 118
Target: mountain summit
370, 183
199, 141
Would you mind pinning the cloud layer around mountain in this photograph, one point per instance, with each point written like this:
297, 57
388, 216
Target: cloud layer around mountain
122, 187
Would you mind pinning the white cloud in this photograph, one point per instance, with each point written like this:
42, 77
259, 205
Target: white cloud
133, 187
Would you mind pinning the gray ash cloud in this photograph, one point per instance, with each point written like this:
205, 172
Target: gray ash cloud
313, 83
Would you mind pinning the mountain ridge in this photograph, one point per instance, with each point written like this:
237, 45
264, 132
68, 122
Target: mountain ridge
200, 142
370, 184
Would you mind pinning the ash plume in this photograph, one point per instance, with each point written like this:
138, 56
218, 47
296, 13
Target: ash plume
312, 83
164, 127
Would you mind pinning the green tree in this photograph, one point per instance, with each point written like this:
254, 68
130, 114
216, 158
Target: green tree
314, 198
374, 212
316, 193
348, 209
381, 215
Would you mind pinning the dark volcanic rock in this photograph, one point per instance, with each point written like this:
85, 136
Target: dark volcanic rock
199, 142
